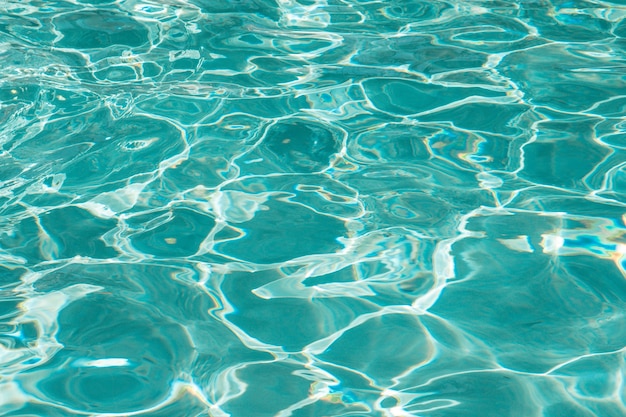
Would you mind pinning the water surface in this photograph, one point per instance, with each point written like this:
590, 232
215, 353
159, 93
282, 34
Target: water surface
312, 208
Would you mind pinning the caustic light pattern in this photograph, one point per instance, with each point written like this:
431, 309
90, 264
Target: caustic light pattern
310, 208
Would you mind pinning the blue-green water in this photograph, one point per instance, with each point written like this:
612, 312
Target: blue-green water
313, 208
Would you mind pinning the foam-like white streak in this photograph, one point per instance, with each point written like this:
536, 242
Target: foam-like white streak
236, 206
297, 15
519, 244
551, 243
101, 363
290, 288
12, 398
107, 205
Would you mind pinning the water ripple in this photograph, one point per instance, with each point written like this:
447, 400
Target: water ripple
312, 208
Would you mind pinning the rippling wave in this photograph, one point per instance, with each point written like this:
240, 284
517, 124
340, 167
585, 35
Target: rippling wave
257, 208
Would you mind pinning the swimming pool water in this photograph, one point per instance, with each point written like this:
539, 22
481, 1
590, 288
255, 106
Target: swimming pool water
311, 208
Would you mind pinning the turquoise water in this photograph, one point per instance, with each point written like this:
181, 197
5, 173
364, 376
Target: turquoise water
313, 208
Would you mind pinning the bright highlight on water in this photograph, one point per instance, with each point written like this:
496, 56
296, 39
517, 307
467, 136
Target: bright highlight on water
313, 208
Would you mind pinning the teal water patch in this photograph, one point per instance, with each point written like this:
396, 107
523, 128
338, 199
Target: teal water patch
271, 208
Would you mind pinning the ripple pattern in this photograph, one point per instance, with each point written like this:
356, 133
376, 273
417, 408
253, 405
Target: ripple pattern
307, 208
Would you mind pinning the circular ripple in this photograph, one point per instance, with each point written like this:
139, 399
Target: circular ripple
99, 29
118, 356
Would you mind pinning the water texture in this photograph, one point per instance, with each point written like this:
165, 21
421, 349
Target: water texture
313, 208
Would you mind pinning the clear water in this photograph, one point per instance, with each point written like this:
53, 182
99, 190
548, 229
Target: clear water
256, 208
